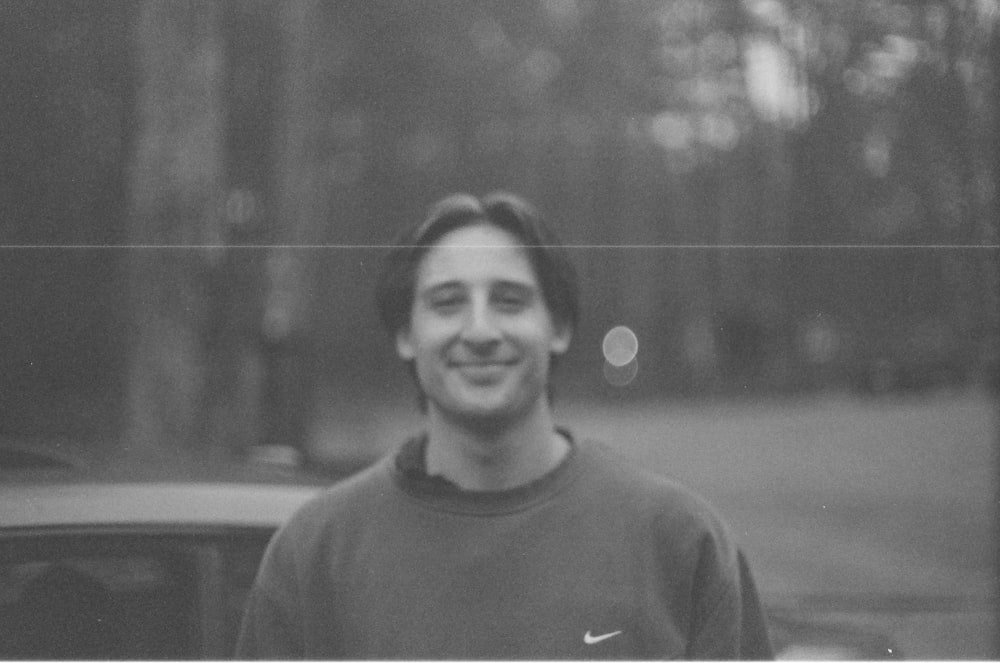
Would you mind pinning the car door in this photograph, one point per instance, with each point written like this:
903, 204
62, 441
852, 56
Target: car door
125, 593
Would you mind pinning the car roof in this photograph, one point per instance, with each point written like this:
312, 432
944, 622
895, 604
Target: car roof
150, 503
63, 482
68, 461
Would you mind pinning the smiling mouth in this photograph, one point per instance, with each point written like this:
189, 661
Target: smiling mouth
481, 368
481, 365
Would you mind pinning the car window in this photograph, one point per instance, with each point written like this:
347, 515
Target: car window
96, 601
123, 595
241, 555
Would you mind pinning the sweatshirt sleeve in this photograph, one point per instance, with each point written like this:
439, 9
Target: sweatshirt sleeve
729, 622
755, 643
267, 630
272, 625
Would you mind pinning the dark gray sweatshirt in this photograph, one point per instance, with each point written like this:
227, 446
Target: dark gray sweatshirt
598, 559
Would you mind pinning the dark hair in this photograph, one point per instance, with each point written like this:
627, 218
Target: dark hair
555, 273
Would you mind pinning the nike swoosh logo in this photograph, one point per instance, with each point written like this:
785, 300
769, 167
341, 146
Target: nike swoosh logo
594, 639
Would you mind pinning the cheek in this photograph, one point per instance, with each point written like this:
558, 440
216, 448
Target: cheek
543, 339
429, 331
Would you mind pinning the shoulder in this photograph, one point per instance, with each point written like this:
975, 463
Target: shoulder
663, 504
346, 496
317, 530
335, 509
614, 471
684, 530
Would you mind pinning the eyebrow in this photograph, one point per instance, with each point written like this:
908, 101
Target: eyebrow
438, 288
518, 286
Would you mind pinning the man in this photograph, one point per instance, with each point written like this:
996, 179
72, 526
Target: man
496, 534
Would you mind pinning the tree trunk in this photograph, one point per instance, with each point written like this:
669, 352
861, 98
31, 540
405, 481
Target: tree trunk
174, 195
299, 220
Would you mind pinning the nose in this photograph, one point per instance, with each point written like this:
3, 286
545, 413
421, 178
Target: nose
479, 327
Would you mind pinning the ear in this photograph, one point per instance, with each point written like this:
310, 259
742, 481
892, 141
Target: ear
404, 345
561, 337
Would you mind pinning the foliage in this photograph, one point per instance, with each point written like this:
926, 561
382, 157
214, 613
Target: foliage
724, 169
797, 123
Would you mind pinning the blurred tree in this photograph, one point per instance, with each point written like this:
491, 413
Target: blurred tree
648, 123
267, 150
306, 200
289, 141
230, 182
895, 155
66, 112
177, 194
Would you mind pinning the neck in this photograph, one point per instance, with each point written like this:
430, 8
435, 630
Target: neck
489, 455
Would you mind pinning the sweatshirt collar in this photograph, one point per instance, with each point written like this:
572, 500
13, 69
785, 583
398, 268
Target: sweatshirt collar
410, 473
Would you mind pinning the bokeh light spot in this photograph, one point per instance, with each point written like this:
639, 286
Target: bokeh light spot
620, 346
621, 376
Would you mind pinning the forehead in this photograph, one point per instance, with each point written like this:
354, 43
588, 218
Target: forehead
476, 254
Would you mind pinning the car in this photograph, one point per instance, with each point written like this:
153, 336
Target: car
159, 568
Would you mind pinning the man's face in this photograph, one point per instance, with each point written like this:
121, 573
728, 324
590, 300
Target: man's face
480, 333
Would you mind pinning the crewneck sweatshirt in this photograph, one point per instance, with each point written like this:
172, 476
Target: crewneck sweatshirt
596, 559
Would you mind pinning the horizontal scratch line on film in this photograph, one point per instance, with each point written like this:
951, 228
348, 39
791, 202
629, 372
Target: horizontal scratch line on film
587, 247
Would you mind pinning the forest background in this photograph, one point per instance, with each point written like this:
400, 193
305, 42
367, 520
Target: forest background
778, 197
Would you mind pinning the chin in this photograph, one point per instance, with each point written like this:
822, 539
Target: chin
485, 407
480, 415
484, 414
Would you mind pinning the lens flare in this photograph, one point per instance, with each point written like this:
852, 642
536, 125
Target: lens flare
620, 346
621, 376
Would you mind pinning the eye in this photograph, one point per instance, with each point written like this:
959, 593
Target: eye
510, 300
445, 302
